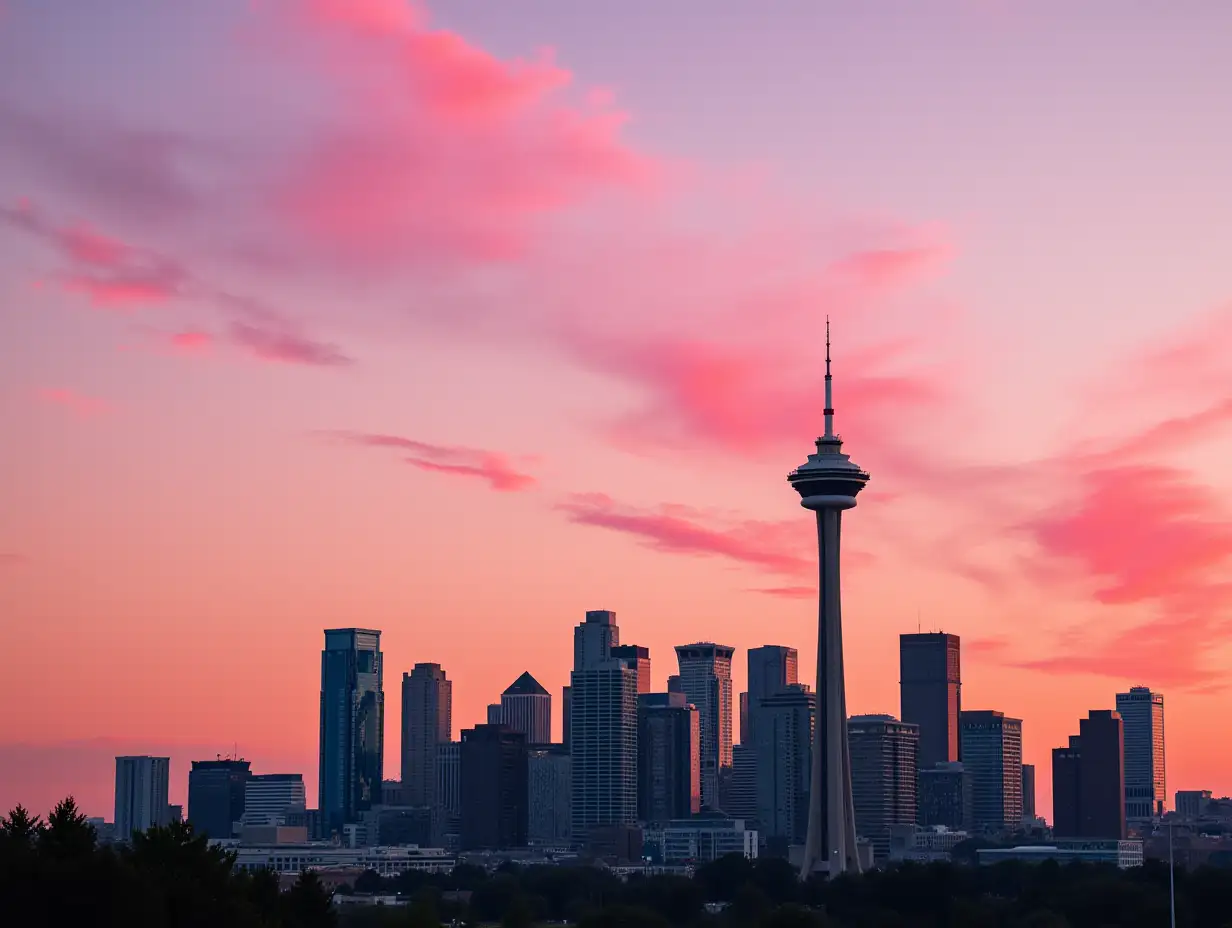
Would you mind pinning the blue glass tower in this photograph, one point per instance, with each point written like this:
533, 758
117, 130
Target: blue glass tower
352, 760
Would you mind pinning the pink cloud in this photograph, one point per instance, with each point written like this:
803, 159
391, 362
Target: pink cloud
282, 344
190, 341
77, 403
494, 467
788, 592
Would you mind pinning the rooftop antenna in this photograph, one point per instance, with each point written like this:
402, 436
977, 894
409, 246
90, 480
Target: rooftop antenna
917, 620
829, 410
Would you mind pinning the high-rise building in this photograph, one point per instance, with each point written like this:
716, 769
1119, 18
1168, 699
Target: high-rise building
992, 754
745, 735
674, 685
1142, 712
944, 796
705, 676
549, 792
216, 795
1028, 793
447, 797
772, 667
638, 658
883, 776
527, 707
494, 788
566, 701
742, 798
594, 638
1088, 780
930, 683
141, 787
828, 483
782, 742
352, 745
427, 720
275, 799
603, 745
668, 758
494, 715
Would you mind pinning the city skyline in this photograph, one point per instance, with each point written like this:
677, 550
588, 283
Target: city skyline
247, 400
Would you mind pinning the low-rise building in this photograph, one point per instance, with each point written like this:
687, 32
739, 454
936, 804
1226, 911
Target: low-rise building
1125, 854
699, 839
387, 861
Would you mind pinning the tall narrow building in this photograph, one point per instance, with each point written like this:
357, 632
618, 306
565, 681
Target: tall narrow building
783, 739
494, 792
527, 707
705, 677
427, 720
1088, 780
992, 755
550, 796
883, 776
1028, 793
447, 795
668, 758
772, 668
1142, 713
594, 638
352, 746
216, 795
603, 746
638, 658
566, 704
930, 682
141, 788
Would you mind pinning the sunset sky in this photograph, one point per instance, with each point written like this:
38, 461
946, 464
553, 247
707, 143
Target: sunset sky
457, 321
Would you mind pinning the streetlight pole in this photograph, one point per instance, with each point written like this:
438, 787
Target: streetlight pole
1171, 877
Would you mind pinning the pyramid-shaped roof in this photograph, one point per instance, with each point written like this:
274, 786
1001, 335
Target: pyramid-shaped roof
525, 685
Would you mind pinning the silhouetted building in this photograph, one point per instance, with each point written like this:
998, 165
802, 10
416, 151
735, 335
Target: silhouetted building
883, 776
603, 745
944, 796
745, 736
216, 796
639, 659
782, 741
1088, 778
931, 694
141, 786
1028, 792
275, 799
527, 707
674, 685
741, 801
352, 745
550, 796
992, 754
494, 714
772, 668
427, 720
494, 788
594, 638
1193, 803
447, 799
669, 758
1142, 713
566, 699
705, 676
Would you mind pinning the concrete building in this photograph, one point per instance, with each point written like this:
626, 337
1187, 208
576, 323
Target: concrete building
275, 799
603, 744
828, 483
783, 739
385, 861
992, 755
1088, 780
526, 706
638, 658
141, 788
352, 743
1142, 713
668, 758
427, 720
494, 788
883, 776
705, 677
216, 795
549, 779
930, 687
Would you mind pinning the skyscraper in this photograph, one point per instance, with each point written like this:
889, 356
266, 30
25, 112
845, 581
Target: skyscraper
828, 483
141, 786
603, 745
594, 638
782, 742
427, 720
216, 795
1088, 780
494, 788
275, 799
638, 658
1145, 782
566, 704
883, 776
668, 758
1028, 793
992, 754
549, 791
447, 795
352, 746
527, 707
930, 684
944, 796
742, 798
705, 677
772, 667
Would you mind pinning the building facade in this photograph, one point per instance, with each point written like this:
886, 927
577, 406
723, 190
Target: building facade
447, 800
527, 707
772, 668
427, 720
566, 702
216, 796
275, 799
782, 742
603, 745
992, 754
883, 776
352, 744
668, 758
741, 801
638, 658
705, 677
550, 796
1142, 713
594, 638
494, 792
701, 839
1028, 792
930, 687
944, 797
141, 789
1088, 780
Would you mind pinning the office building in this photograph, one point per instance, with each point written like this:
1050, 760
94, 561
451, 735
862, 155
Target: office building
783, 737
427, 720
1192, 803
701, 839
944, 797
352, 745
594, 638
526, 706
494, 714
930, 686
550, 796
745, 736
216, 796
447, 799
566, 694
639, 659
668, 758
493, 788
1142, 713
275, 799
603, 745
1088, 780
705, 677
1028, 793
992, 754
772, 668
741, 801
883, 776
674, 685
141, 788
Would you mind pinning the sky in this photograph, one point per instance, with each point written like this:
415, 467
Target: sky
458, 320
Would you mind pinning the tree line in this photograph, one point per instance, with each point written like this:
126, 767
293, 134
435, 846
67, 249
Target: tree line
55, 872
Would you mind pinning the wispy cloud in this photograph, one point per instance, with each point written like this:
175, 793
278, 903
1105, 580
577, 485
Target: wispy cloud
494, 467
77, 403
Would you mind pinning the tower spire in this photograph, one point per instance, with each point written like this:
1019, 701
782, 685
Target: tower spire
829, 411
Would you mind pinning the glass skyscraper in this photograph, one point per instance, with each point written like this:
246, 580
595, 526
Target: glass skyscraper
1145, 783
352, 751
